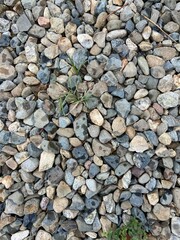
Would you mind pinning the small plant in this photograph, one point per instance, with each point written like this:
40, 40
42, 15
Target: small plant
133, 230
72, 95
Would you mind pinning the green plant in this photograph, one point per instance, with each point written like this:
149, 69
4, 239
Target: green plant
73, 96
133, 230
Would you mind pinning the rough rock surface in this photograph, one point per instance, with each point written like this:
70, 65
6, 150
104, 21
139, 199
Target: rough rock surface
89, 118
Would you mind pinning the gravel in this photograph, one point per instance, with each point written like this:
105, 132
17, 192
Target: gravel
113, 152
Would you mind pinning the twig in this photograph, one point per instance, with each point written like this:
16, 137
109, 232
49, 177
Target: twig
117, 10
167, 35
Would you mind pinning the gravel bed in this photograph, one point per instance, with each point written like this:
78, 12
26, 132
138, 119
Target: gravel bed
110, 150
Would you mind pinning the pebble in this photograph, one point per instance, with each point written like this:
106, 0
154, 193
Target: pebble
20, 235
168, 99
162, 213
138, 144
109, 157
85, 40
118, 126
96, 117
7, 72
46, 161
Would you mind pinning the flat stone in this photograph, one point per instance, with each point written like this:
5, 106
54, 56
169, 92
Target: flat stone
23, 23
130, 70
63, 189
85, 40
143, 65
80, 126
138, 144
116, 34
176, 197
94, 69
80, 154
20, 235
100, 149
167, 53
118, 126
37, 31
30, 164
52, 51
122, 169
113, 62
162, 213
12, 208
91, 184
154, 61
168, 99
109, 78
57, 25
141, 160
40, 118
31, 206
96, 117
46, 161
175, 226
7, 72
143, 103
41, 235
123, 107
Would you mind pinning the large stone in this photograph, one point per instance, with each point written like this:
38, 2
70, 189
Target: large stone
175, 226
168, 100
85, 40
7, 72
20, 235
100, 150
118, 126
162, 213
23, 23
138, 144
96, 117
176, 198
46, 161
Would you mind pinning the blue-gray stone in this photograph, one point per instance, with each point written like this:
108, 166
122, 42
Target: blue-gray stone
171, 121
93, 170
152, 138
112, 160
64, 143
29, 219
5, 137
15, 42
61, 234
101, 7
168, 66
43, 75
122, 168
54, 175
64, 122
92, 203
176, 63
123, 140
119, 47
118, 93
125, 195
141, 160
3, 110
113, 62
123, 107
79, 58
4, 40
80, 154
50, 128
110, 113
151, 184
80, 126
137, 213
92, 103
129, 26
33, 150
136, 199
166, 198
17, 139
